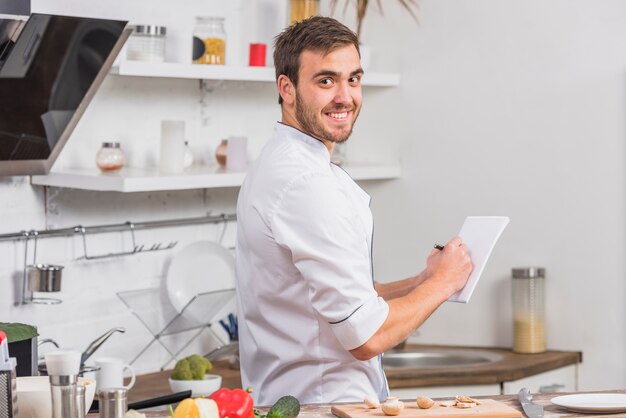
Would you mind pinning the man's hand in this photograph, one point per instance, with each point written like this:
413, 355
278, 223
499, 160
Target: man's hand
450, 267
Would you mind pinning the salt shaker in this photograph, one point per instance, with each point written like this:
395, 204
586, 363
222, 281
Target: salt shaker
112, 402
529, 310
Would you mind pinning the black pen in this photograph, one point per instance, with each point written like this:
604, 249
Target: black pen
439, 247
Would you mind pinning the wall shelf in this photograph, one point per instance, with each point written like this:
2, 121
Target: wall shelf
225, 72
197, 177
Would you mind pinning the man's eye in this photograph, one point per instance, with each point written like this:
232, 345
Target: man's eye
326, 81
356, 79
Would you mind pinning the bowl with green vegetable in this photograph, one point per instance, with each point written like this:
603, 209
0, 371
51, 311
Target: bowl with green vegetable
192, 373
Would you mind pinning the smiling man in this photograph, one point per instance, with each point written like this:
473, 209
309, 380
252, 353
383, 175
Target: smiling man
313, 322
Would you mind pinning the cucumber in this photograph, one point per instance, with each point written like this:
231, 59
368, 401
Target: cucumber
286, 407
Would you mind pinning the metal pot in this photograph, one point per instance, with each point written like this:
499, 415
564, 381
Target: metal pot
44, 278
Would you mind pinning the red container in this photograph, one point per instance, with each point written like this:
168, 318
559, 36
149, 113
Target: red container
257, 55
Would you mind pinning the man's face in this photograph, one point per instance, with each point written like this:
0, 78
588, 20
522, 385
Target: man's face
328, 95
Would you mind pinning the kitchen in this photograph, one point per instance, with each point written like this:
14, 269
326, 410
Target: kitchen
501, 108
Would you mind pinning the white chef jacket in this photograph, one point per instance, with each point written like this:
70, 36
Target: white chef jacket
305, 291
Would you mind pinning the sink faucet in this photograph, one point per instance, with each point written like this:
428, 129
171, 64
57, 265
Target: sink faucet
95, 344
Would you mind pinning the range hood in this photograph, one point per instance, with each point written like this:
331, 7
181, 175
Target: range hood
50, 69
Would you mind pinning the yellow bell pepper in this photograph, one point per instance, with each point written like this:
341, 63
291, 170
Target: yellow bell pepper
197, 408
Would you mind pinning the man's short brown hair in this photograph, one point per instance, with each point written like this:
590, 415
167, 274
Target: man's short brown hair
317, 33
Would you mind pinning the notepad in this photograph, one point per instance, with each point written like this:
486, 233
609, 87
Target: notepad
479, 234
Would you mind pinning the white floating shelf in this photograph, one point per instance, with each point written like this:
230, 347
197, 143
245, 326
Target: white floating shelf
148, 180
225, 72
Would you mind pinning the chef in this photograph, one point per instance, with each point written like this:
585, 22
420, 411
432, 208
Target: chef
313, 320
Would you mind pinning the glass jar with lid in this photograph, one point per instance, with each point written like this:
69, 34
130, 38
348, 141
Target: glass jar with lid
209, 41
110, 157
529, 335
302, 9
146, 43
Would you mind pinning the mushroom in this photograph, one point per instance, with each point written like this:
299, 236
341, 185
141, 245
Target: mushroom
424, 403
392, 406
371, 402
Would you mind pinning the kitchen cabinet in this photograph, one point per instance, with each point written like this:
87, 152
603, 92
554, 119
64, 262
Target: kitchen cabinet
197, 177
564, 379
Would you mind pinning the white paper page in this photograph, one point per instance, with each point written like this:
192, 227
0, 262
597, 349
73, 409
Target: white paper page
479, 234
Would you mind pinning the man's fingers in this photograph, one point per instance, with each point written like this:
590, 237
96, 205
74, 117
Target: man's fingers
455, 242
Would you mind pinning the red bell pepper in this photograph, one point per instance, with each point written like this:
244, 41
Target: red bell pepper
236, 403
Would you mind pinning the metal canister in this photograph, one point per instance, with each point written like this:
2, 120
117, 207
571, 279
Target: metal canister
529, 335
112, 402
80, 401
63, 390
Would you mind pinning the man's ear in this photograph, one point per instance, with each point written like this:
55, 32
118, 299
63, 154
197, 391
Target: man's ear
286, 89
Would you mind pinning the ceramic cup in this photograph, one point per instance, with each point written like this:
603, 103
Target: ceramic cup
111, 373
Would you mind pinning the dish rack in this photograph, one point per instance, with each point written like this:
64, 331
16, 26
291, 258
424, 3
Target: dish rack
154, 310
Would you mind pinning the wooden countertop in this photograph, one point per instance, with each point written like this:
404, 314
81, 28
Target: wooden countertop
511, 367
550, 410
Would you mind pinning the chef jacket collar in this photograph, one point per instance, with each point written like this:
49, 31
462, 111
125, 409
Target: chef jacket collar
295, 133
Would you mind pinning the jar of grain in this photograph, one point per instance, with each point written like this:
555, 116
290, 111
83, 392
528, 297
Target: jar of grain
302, 9
529, 334
209, 41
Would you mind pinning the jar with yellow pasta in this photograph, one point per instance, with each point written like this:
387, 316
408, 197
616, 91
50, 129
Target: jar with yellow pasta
209, 41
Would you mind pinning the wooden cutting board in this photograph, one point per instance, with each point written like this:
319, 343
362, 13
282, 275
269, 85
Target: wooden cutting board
487, 408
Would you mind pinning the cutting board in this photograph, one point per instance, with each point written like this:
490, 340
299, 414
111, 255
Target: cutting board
487, 408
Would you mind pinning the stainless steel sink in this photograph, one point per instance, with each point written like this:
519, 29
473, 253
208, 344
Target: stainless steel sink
423, 359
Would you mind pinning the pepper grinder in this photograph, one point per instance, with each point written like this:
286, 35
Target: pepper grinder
63, 367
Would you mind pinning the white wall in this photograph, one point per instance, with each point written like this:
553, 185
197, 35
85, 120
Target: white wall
505, 107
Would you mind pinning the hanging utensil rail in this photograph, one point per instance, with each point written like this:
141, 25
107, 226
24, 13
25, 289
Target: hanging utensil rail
79, 229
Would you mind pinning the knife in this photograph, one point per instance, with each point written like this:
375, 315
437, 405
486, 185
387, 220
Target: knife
532, 410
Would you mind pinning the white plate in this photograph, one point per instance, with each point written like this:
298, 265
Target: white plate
592, 402
203, 266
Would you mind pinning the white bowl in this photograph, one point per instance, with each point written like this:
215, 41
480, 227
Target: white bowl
210, 384
35, 401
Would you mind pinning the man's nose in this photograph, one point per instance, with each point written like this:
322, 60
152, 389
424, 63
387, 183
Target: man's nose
343, 94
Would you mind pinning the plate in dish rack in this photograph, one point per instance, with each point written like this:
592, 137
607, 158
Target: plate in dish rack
592, 402
201, 267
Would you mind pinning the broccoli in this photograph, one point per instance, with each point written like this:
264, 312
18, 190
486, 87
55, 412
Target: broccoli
193, 367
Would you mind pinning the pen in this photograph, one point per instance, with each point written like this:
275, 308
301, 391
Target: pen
439, 247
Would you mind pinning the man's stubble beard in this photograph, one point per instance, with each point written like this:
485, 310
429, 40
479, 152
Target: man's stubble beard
312, 126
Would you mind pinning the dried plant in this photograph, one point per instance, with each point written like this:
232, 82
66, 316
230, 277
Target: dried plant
361, 8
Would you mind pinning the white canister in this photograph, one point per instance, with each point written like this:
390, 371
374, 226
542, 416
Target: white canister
172, 159
237, 153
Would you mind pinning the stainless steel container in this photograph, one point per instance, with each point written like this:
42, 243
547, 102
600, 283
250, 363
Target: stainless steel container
64, 403
44, 278
80, 401
529, 335
112, 402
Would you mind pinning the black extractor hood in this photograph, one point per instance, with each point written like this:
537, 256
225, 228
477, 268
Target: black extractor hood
50, 69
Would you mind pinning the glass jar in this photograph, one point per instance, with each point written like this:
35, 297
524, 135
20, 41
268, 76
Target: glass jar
302, 9
209, 41
146, 43
221, 151
528, 310
110, 157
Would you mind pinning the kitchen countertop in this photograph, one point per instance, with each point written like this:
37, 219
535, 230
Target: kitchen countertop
511, 367
550, 410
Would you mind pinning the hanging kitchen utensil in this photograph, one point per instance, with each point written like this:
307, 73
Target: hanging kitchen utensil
39, 277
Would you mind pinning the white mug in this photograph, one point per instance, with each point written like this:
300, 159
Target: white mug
111, 373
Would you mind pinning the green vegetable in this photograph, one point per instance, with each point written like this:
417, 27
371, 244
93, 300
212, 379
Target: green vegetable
18, 332
285, 407
193, 367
